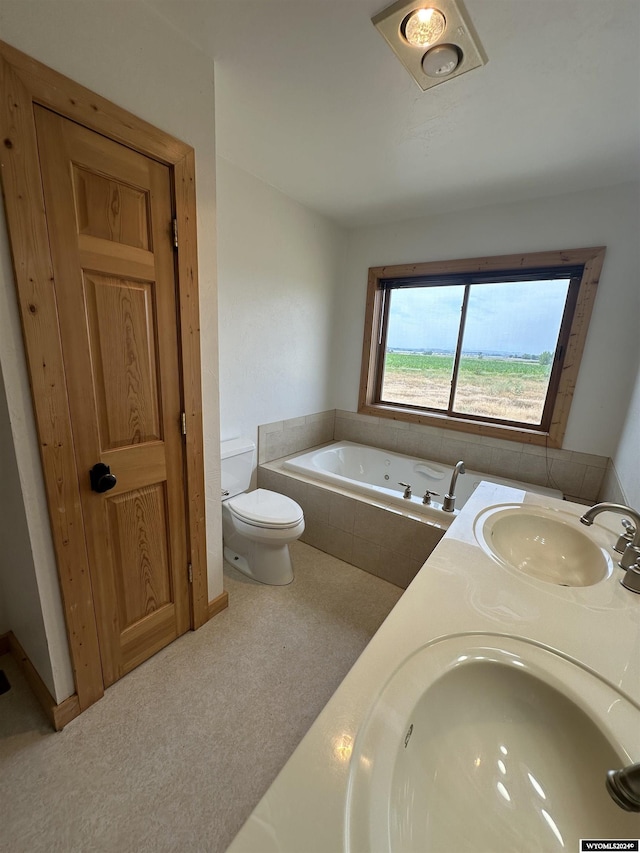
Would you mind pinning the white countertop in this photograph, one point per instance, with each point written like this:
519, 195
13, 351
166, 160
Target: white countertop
460, 589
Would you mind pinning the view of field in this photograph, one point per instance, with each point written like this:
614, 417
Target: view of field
509, 388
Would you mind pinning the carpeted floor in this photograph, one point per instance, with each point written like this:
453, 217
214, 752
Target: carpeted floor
177, 753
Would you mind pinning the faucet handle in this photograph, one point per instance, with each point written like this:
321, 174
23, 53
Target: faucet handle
625, 538
407, 490
630, 557
428, 495
631, 579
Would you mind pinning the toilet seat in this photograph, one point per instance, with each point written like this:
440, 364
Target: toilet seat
266, 509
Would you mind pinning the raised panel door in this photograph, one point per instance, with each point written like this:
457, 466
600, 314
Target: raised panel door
109, 212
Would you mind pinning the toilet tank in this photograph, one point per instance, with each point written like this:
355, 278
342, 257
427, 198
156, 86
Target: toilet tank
236, 458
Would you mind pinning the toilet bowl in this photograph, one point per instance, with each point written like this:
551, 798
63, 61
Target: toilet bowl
257, 529
257, 526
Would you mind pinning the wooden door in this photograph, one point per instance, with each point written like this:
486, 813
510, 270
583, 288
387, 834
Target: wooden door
109, 216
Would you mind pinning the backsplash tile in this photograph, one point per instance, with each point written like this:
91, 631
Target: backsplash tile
611, 490
504, 463
589, 459
547, 452
277, 426
568, 475
534, 469
575, 474
362, 432
592, 483
452, 450
284, 437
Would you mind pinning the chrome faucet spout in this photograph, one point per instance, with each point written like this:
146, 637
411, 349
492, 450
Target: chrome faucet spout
624, 787
621, 509
632, 551
449, 503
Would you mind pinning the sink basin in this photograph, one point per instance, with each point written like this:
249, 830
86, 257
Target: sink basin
546, 544
479, 743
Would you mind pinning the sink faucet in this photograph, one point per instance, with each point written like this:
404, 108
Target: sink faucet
632, 551
624, 787
449, 502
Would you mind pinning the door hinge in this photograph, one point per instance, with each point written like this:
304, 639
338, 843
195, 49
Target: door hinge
183, 423
175, 233
190, 572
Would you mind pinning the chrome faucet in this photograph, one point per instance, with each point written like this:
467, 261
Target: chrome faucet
449, 502
624, 787
632, 550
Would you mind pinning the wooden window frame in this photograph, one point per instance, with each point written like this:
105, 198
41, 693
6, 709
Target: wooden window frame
572, 335
24, 82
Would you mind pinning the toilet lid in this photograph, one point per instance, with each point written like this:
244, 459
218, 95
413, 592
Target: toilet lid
266, 509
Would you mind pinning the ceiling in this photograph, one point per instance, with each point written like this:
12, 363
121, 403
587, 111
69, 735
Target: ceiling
311, 100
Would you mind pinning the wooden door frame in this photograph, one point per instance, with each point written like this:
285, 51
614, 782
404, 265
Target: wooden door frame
23, 83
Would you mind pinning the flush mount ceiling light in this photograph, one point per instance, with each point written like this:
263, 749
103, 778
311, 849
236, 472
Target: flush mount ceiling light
434, 41
424, 27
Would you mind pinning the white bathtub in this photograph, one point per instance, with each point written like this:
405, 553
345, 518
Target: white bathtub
377, 474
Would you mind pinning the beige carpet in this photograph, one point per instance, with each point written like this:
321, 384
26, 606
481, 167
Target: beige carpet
177, 754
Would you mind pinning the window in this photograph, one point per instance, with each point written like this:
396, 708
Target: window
488, 345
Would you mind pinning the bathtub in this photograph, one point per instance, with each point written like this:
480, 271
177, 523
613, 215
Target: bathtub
377, 474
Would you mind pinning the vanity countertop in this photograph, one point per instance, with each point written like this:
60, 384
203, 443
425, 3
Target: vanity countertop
460, 589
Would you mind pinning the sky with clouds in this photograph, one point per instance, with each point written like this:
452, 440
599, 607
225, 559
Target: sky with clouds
513, 317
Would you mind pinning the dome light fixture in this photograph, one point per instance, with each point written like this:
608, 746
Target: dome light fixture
441, 61
433, 39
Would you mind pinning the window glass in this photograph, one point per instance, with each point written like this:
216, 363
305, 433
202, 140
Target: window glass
422, 334
510, 337
483, 349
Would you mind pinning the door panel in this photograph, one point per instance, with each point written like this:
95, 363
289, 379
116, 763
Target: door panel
109, 215
110, 209
122, 337
131, 518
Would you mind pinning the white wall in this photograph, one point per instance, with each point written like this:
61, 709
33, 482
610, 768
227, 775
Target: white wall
124, 51
278, 267
626, 458
20, 609
600, 217
33, 605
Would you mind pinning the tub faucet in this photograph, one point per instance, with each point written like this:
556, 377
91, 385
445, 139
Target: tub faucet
624, 787
449, 502
632, 550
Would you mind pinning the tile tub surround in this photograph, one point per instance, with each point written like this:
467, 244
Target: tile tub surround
579, 476
379, 540
611, 488
283, 438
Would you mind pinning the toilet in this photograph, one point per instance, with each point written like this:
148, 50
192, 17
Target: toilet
257, 526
